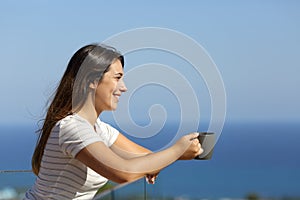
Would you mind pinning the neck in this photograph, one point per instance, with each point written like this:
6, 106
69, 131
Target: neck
89, 112
91, 117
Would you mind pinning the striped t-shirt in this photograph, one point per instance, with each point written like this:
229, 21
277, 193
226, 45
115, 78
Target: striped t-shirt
61, 176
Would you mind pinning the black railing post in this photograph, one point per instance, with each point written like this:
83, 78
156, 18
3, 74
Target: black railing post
113, 194
145, 189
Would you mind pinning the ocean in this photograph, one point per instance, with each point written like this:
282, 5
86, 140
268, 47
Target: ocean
249, 158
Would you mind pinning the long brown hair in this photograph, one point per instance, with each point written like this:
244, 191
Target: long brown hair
87, 65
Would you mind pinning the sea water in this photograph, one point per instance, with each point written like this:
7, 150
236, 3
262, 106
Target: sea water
260, 158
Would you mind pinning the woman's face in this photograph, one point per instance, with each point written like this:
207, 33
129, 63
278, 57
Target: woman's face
110, 88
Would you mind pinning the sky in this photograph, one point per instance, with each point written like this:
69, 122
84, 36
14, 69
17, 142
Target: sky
254, 44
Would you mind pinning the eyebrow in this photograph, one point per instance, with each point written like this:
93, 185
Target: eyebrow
121, 74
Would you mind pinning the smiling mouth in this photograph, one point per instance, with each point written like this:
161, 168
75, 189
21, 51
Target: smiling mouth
117, 96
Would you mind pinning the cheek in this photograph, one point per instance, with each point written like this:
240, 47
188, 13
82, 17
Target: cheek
114, 87
106, 90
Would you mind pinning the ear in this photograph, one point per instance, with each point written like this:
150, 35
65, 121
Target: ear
93, 85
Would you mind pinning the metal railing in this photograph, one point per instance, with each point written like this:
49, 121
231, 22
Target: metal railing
136, 190
14, 183
11, 187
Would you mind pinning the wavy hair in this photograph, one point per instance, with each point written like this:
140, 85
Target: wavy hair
87, 65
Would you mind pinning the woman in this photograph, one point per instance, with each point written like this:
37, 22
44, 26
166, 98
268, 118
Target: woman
77, 153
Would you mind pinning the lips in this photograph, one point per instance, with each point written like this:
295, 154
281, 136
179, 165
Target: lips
117, 96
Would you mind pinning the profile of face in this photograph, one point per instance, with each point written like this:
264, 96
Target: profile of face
110, 88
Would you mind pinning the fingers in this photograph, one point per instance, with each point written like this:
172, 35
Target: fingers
192, 146
200, 150
197, 150
196, 144
151, 178
194, 136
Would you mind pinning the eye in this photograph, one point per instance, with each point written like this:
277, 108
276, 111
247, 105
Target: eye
118, 76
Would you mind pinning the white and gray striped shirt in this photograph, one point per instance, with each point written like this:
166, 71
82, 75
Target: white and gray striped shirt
61, 176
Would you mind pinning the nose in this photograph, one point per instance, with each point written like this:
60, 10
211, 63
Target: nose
122, 86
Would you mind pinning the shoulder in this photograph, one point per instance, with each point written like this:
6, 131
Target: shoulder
102, 124
105, 127
73, 125
73, 121
75, 133
107, 132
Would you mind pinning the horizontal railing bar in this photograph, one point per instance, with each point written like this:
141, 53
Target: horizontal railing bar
108, 191
15, 171
102, 194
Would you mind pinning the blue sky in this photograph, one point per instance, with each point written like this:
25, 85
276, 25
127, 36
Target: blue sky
255, 45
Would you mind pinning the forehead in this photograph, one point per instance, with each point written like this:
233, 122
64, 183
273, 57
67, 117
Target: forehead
116, 67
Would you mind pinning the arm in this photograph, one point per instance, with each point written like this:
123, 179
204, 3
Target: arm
104, 161
127, 149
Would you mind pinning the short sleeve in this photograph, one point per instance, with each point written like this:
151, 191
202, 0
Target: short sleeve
75, 134
107, 133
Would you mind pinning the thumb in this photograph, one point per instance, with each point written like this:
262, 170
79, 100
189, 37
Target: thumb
194, 136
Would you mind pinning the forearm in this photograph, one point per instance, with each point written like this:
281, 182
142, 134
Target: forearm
129, 155
138, 167
118, 169
106, 162
154, 162
128, 149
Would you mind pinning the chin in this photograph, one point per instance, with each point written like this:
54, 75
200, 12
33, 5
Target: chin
113, 107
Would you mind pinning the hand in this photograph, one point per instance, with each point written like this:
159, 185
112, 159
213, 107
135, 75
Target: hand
150, 178
191, 146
